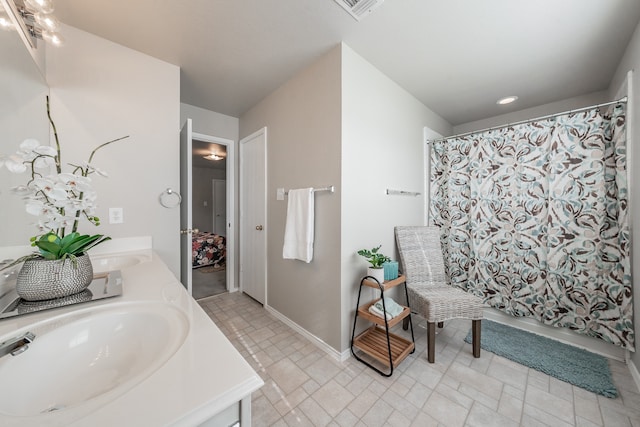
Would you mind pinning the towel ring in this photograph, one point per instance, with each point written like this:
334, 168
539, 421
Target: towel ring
170, 199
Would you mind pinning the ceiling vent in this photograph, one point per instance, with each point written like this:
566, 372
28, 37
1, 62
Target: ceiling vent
359, 8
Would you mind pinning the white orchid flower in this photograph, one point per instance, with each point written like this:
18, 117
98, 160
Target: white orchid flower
45, 150
37, 207
49, 188
91, 169
75, 182
29, 145
21, 190
15, 164
26, 149
59, 200
43, 162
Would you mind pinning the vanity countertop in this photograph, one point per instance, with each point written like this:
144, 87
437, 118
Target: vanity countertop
204, 376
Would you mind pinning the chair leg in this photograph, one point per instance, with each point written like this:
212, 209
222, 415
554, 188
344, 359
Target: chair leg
405, 323
475, 328
431, 342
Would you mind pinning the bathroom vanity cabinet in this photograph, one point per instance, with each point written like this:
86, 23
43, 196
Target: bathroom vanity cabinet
191, 374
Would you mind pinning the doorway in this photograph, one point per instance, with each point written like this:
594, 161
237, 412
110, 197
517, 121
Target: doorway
207, 255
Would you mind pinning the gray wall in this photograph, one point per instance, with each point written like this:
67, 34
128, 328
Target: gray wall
202, 192
631, 61
303, 150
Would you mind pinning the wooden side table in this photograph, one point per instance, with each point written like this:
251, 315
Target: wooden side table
376, 341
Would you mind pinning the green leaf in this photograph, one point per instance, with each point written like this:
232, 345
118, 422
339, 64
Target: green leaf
68, 239
97, 242
47, 247
80, 244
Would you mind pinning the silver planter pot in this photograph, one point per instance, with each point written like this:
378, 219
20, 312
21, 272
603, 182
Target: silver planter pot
41, 279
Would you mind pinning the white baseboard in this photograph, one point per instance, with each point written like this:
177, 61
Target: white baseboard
559, 334
341, 357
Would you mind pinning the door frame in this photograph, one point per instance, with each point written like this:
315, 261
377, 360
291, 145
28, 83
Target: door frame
213, 202
230, 178
265, 226
186, 214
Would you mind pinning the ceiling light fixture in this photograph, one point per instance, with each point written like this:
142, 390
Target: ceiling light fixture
506, 100
36, 19
213, 156
5, 23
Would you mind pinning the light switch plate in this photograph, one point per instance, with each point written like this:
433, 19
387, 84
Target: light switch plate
116, 216
280, 194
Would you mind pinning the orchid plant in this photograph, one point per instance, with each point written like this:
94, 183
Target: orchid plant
60, 200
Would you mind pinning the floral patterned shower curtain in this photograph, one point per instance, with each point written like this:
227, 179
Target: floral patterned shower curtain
535, 220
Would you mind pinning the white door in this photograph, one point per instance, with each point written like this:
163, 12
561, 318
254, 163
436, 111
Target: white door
186, 251
253, 214
219, 198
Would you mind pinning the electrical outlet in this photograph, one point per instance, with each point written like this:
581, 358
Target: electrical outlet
116, 216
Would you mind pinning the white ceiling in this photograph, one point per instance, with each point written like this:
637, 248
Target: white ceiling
456, 56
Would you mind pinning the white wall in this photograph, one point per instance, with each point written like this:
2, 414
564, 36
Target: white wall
631, 61
382, 147
209, 122
101, 91
303, 150
535, 112
23, 115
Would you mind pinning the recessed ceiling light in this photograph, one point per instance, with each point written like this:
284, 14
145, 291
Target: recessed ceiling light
506, 100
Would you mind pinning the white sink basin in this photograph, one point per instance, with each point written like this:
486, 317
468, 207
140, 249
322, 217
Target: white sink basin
103, 264
85, 359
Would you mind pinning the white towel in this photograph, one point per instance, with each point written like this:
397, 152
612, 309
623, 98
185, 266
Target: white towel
298, 232
377, 312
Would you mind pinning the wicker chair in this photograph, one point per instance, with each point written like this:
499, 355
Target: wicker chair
429, 290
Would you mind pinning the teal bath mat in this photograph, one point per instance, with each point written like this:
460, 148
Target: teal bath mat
562, 361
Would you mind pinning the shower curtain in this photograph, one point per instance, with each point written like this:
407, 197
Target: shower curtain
535, 220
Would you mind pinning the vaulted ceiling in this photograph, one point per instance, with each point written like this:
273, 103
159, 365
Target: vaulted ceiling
456, 56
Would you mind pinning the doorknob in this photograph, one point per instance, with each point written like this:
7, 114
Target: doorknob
259, 227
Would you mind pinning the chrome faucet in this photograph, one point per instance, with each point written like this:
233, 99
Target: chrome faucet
16, 345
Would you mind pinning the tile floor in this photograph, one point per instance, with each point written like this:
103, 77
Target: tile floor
304, 386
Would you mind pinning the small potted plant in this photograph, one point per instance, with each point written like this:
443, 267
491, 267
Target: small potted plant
376, 259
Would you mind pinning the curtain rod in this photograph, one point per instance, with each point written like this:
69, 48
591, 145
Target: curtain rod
604, 104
